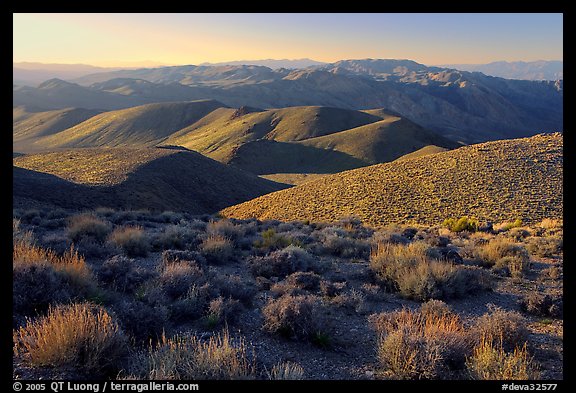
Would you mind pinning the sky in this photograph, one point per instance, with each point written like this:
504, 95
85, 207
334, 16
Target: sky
177, 39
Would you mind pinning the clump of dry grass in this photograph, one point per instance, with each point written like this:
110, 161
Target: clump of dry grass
542, 305
271, 240
293, 316
178, 277
132, 240
508, 326
416, 345
190, 358
70, 262
226, 229
286, 371
549, 223
491, 362
82, 335
502, 253
87, 225
41, 277
409, 270
283, 262
507, 225
545, 246
223, 311
217, 249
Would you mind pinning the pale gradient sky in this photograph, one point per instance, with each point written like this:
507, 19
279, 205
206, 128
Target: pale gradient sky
125, 39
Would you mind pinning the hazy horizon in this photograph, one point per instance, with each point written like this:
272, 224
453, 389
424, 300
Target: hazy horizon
145, 40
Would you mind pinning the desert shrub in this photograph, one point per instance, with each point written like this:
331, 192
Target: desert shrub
235, 287
272, 241
78, 335
90, 248
545, 246
489, 254
409, 271
53, 224
552, 272
192, 305
304, 280
35, 287
330, 288
507, 225
168, 217
283, 262
124, 217
462, 224
416, 345
122, 274
82, 226
286, 371
20, 235
175, 237
542, 305
31, 216
514, 266
296, 316
217, 249
435, 309
104, 212
56, 214
41, 277
373, 292
507, 326
132, 240
225, 228
350, 223
178, 277
518, 233
171, 256
190, 358
491, 362
353, 301
142, 321
345, 247
59, 243
223, 311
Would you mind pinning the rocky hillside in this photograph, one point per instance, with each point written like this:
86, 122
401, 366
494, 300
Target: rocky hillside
493, 181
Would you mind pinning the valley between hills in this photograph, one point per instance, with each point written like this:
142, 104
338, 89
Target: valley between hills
360, 220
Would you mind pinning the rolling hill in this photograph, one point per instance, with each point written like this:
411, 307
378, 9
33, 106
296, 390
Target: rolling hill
128, 178
304, 139
493, 181
29, 126
141, 126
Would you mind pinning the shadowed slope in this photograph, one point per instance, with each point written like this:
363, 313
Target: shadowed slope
492, 181
140, 126
162, 179
383, 141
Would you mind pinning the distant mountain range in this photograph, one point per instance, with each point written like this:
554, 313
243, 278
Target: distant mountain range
533, 70
272, 63
463, 106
